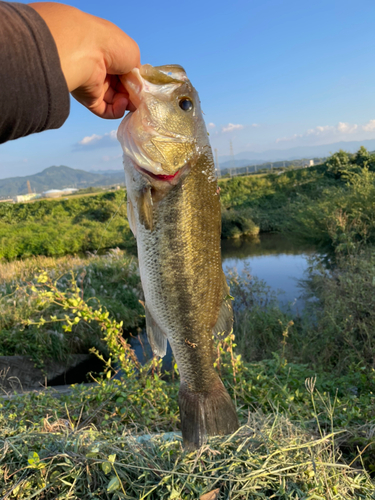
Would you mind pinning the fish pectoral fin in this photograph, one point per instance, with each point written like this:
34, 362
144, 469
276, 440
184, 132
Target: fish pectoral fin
224, 323
156, 336
131, 218
145, 208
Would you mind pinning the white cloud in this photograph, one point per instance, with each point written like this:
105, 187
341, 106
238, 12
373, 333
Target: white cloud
90, 139
211, 125
255, 125
231, 126
369, 127
97, 141
291, 138
339, 131
345, 128
95, 138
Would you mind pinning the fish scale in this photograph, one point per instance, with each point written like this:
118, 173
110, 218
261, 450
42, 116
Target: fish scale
174, 211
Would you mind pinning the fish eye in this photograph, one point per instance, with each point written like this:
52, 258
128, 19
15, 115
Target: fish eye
186, 104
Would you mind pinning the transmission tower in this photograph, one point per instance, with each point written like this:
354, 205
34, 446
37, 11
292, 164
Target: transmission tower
232, 162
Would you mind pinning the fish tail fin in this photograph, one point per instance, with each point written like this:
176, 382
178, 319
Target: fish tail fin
206, 414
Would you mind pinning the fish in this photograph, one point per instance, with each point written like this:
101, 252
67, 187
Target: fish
174, 212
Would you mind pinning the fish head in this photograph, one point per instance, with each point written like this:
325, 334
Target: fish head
160, 136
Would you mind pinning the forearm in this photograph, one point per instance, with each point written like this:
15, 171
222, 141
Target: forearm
33, 90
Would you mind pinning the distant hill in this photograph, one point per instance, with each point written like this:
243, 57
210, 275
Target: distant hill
107, 172
252, 158
58, 178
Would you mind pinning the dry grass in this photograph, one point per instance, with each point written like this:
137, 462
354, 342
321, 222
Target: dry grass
23, 270
269, 457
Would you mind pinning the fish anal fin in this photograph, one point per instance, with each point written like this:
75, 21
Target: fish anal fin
145, 208
156, 337
131, 218
224, 323
206, 414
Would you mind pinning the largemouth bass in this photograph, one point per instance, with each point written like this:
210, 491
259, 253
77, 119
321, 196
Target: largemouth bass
174, 212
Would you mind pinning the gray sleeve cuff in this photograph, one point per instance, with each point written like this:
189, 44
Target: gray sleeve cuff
33, 92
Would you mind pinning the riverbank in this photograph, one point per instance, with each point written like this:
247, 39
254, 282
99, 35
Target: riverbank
322, 205
330, 205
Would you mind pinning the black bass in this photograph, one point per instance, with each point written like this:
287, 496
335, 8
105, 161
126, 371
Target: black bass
174, 212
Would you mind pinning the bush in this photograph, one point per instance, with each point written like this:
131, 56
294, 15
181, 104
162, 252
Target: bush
33, 327
237, 224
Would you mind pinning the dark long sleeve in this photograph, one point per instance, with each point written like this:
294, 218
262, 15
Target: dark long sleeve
33, 91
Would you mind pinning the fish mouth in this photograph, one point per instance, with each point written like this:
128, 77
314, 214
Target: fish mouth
160, 177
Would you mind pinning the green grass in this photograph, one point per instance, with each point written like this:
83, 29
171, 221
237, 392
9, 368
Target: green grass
111, 280
301, 436
76, 446
60, 227
330, 205
304, 386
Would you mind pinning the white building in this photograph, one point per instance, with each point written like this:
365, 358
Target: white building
21, 198
56, 193
52, 193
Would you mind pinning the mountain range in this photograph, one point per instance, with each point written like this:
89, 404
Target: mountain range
58, 178
248, 158
64, 177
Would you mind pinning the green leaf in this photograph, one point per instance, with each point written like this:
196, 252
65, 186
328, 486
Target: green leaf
113, 485
112, 458
34, 461
106, 467
174, 494
33, 458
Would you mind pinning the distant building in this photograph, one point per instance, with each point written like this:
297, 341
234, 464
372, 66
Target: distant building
52, 193
311, 164
21, 198
56, 193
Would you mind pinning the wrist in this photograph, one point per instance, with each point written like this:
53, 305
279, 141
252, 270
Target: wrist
75, 42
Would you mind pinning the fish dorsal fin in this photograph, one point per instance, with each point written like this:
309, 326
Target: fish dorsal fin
145, 208
224, 323
131, 218
156, 337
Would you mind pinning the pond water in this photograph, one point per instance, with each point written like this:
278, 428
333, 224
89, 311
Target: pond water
277, 259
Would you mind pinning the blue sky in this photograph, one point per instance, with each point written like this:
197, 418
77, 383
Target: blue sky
271, 74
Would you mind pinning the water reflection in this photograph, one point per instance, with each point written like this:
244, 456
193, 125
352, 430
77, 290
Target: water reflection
277, 259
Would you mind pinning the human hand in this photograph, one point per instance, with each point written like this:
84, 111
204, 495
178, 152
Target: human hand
93, 53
